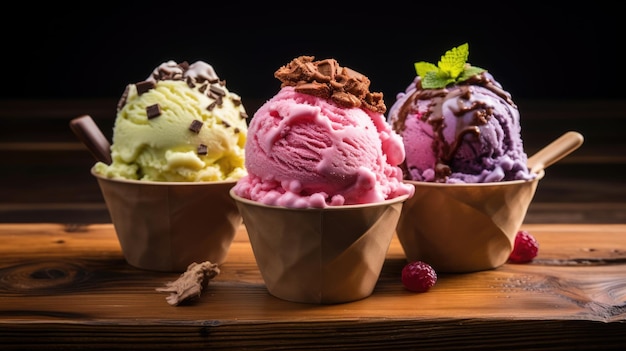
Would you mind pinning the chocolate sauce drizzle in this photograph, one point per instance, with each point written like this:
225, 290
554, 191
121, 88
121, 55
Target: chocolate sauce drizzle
434, 116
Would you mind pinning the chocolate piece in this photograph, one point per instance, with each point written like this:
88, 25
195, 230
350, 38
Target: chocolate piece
203, 149
217, 90
326, 79
184, 65
122, 101
144, 86
190, 83
153, 111
189, 285
195, 126
243, 115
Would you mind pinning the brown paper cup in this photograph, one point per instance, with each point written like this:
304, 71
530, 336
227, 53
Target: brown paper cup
322, 256
459, 228
166, 226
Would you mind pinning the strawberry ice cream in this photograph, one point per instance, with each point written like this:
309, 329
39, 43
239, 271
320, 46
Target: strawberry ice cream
322, 141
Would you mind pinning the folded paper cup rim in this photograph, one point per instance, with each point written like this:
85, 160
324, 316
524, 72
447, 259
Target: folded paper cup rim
394, 200
538, 176
158, 183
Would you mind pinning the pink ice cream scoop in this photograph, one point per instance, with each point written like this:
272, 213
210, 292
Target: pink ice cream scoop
463, 133
322, 141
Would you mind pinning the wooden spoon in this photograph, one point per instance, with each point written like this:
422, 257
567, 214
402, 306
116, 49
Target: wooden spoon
555, 151
88, 132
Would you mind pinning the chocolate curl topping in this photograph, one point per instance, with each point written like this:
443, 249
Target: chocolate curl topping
327, 80
197, 72
198, 75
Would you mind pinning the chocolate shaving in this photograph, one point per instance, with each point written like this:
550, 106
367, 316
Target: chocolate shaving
243, 115
153, 111
327, 80
203, 149
184, 65
144, 86
190, 83
198, 75
123, 98
217, 90
195, 126
189, 285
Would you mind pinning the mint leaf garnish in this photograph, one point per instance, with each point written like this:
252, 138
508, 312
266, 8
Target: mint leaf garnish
452, 68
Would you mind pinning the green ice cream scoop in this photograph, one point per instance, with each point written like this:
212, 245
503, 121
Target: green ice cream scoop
181, 124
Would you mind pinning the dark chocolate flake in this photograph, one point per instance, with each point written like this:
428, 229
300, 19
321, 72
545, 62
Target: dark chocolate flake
190, 83
203, 149
195, 126
123, 99
243, 115
144, 86
217, 90
212, 106
153, 111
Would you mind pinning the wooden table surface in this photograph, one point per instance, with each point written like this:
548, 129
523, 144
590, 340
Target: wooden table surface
69, 287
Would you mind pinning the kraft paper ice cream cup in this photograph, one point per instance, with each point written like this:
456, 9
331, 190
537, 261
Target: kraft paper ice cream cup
458, 228
166, 226
320, 256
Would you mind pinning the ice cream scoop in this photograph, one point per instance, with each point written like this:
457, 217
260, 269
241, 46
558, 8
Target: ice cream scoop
459, 125
180, 124
322, 140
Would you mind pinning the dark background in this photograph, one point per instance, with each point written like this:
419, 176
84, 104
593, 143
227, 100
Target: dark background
564, 67
92, 50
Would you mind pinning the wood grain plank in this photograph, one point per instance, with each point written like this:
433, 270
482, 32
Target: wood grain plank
74, 281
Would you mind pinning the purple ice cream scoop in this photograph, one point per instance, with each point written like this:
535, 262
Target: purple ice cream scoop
468, 132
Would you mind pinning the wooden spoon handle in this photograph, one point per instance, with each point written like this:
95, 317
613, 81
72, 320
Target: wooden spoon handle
89, 134
555, 151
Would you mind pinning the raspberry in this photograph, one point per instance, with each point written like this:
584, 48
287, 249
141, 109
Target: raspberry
525, 248
418, 276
